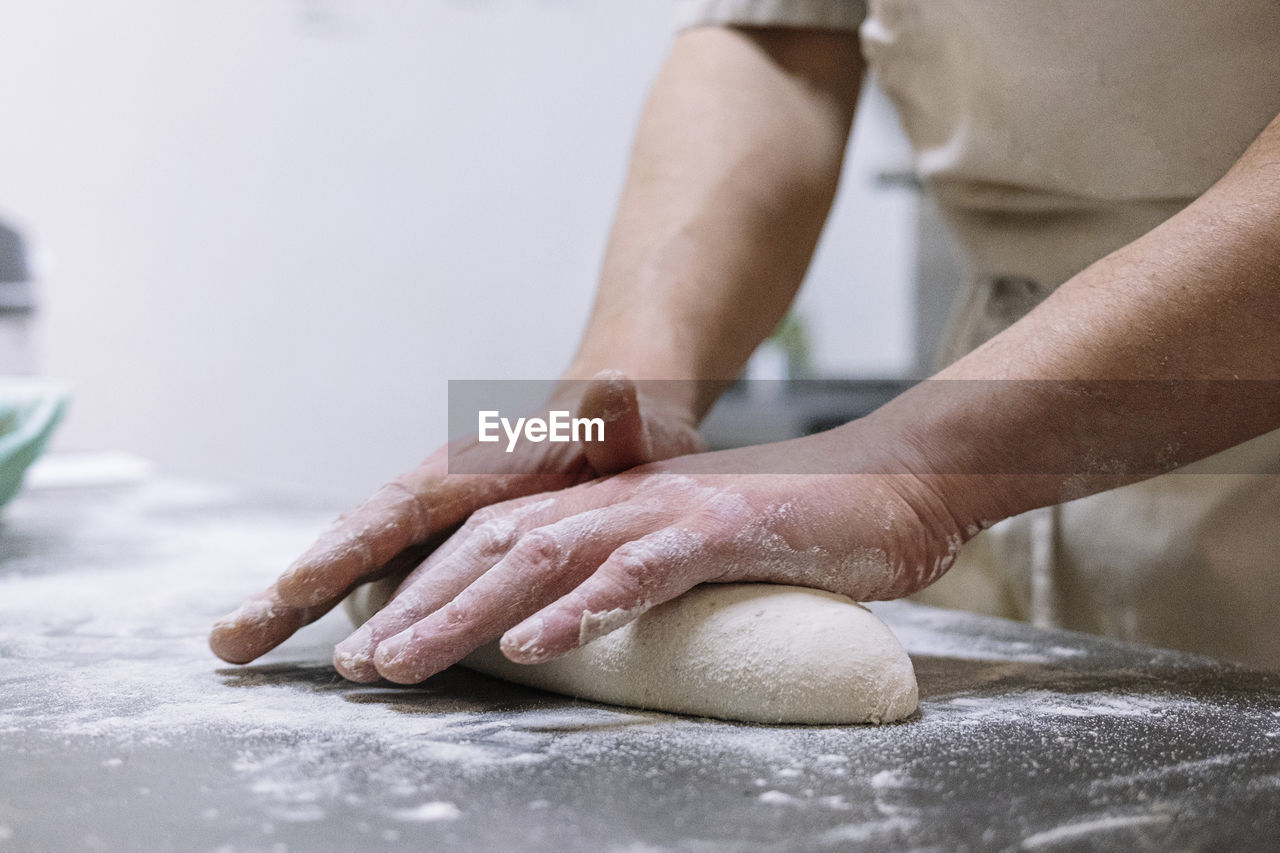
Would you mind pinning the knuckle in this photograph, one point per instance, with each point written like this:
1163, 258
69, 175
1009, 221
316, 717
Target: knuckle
492, 537
394, 494
404, 495
538, 547
480, 517
725, 511
456, 615
629, 568
648, 563
401, 500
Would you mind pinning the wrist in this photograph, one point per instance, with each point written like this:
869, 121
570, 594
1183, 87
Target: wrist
901, 529
938, 467
987, 449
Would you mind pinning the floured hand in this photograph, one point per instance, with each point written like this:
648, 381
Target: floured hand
548, 573
395, 529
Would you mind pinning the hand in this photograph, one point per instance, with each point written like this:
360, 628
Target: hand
548, 573
394, 529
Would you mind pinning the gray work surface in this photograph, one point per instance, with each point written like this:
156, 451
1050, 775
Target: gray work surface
120, 731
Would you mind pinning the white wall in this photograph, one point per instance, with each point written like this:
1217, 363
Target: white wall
277, 228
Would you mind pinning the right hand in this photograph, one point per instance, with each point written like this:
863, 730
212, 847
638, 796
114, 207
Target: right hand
397, 528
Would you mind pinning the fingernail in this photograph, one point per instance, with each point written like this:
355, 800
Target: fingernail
249, 613
522, 642
390, 650
354, 655
226, 621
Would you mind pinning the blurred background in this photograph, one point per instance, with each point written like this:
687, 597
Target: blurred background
257, 237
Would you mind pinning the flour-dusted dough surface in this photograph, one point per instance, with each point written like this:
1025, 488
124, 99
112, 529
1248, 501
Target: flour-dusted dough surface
756, 652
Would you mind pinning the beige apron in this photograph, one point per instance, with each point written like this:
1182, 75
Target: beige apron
1189, 560
1051, 134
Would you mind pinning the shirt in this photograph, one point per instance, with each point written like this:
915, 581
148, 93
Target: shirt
1052, 134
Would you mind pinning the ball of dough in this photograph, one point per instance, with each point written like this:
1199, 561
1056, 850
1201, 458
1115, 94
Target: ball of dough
756, 652
760, 653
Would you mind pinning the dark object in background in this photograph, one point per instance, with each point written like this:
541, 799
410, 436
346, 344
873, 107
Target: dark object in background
15, 273
763, 411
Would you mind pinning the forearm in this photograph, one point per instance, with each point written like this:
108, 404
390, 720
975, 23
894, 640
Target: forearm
733, 172
1192, 308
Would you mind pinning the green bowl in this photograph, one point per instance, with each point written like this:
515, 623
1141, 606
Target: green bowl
29, 411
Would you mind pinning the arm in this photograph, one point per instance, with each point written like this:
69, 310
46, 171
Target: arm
1190, 309
733, 172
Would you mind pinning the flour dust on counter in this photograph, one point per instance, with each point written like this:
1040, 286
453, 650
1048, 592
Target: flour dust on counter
120, 730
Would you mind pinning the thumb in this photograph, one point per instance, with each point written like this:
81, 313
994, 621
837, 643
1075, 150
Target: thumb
637, 428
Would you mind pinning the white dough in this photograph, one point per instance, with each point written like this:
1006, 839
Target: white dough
757, 652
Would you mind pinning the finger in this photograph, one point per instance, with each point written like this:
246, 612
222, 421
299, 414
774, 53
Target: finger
264, 622
484, 540
638, 428
259, 625
365, 539
637, 576
545, 563
612, 398
404, 512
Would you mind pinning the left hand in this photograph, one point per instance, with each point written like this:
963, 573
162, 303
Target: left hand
548, 573
391, 532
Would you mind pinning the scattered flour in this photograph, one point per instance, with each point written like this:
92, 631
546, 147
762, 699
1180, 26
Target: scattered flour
437, 810
1089, 828
778, 798
103, 646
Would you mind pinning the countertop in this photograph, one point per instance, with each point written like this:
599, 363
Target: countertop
120, 731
